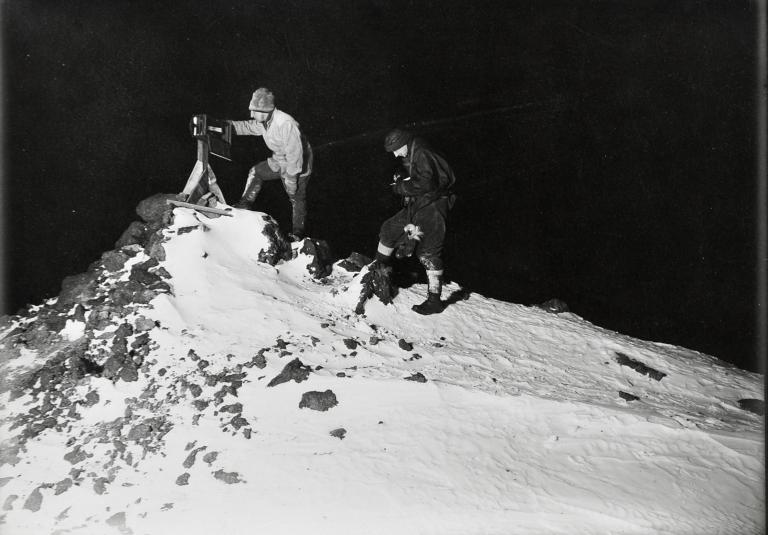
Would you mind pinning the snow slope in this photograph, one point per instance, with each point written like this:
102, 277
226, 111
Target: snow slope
511, 421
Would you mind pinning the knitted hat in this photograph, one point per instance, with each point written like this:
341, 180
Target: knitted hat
396, 139
262, 100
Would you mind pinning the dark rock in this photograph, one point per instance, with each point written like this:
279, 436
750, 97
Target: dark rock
100, 485
355, 262
203, 364
136, 233
75, 456
77, 289
405, 346
639, 367
142, 275
339, 433
34, 501
195, 390
234, 408
155, 209
293, 371
555, 306
418, 377
183, 479
318, 401
279, 248
258, 360
63, 486
373, 340
227, 477
118, 521
628, 397
350, 343
756, 406
378, 282
238, 421
190, 460
200, 405
154, 247
322, 259
8, 504
113, 261
209, 458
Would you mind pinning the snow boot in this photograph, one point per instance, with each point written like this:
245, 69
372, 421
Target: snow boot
432, 305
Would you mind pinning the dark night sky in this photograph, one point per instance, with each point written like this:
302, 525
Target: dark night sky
605, 151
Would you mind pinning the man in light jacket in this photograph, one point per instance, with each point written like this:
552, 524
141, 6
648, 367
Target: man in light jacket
291, 159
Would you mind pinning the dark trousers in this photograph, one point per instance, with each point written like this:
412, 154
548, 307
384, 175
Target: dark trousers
430, 218
261, 173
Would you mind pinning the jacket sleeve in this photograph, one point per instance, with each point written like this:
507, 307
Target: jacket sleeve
423, 178
247, 128
294, 153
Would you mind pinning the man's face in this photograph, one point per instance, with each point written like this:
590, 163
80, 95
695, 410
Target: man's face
401, 152
261, 115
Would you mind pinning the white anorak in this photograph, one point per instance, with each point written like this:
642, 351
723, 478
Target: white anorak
283, 137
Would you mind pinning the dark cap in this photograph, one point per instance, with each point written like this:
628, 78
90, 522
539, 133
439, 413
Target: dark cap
396, 139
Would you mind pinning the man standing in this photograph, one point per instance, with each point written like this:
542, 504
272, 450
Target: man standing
291, 159
419, 227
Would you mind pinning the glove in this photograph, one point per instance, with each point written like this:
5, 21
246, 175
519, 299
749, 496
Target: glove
291, 184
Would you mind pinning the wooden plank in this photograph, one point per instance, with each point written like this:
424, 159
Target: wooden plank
200, 208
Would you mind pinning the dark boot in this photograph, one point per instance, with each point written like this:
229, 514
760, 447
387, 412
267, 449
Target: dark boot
432, 305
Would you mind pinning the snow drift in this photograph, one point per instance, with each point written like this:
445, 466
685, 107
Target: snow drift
202, 378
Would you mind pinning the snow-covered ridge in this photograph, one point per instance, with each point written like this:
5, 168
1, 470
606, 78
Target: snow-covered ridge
187, 385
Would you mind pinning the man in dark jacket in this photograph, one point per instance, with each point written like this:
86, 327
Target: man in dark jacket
419, 228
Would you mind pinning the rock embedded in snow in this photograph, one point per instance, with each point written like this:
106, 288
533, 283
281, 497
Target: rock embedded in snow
34, 501
322, 259
405, 346
183, 479
555, 306
318, 401
417, 377
293, 371
628, 396
639, 367
756, 406
339, 433
227, 477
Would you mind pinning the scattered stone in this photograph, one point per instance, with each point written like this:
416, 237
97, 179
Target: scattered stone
339, 433
415, 356
376, 282
8, 505
100, 485
200, 405
210, 457
190, 460
318, 401
639, 367
374, 340
76, 455
4, 480
203, 364
355, 262
555, 306
405, 346
183, 479
293, 371
161, 372
235, 408
227, 477
322, 258
756, 406
195, 390
325, 325
247, 433
341, 374
238, 421
418, 377
34, 501
258, 360
63, 486
628, 397
351, 343
118, 521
